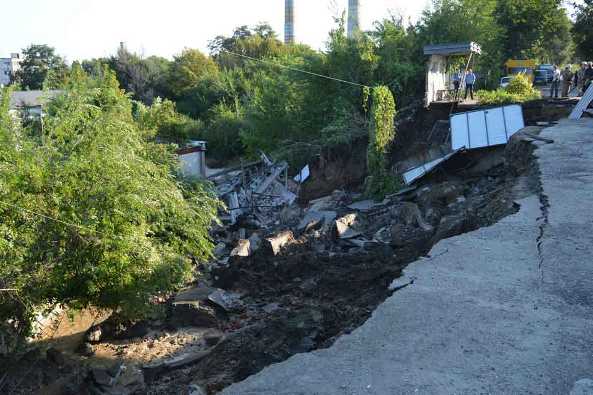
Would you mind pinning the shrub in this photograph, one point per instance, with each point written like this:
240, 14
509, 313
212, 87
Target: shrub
223, 132
91, 212
171, 126
519, 90
381, 136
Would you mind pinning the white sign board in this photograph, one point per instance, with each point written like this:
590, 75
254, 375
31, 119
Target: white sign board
485, 128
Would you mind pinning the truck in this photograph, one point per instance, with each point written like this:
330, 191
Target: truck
518, 66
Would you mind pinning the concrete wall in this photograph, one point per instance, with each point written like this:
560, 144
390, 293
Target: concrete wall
436, 78
193, 164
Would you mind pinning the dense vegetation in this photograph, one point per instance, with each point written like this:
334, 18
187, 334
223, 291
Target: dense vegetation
241, 106
92, 213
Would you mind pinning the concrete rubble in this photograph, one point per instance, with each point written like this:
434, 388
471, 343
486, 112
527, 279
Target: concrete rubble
255, 189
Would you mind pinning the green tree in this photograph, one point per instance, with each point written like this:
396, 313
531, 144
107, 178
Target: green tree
188, 69
465, 21
583, 30
171, 126
258, 42
39, 61
398, 50
144, 78
92, 212
538, 29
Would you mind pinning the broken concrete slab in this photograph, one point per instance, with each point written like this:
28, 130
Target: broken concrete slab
345, 226
315, 220
364, 205
273, 245
243, 248
409, 213
439, 194
321, 204
193, 314
254, 242
405, 235
228, 301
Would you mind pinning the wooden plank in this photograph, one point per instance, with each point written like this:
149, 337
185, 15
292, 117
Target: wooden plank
583, 104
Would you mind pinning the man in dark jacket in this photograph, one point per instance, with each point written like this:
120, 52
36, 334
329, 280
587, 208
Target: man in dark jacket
567, 77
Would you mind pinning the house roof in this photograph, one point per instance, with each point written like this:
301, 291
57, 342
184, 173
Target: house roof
20, 99
453, 49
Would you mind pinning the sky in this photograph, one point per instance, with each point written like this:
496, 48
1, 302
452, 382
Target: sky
82, 29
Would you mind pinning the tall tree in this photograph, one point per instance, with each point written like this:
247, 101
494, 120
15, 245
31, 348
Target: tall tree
144, 78
188, 69
258, 42
583, 30
39, 61
538, 29
465, 21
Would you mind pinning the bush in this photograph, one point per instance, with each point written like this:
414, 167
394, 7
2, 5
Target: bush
171, 126
381, 136
91, 212
519, 90
223, 132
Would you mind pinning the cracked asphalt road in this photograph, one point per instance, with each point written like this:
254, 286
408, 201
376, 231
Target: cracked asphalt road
489, 313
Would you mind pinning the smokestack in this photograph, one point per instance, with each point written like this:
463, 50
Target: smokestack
353, 18
289, 22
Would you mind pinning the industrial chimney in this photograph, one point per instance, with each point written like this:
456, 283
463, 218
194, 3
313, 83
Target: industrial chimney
289, 22
353, 18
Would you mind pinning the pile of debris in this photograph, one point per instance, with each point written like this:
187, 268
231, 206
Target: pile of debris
255, 190
317, 272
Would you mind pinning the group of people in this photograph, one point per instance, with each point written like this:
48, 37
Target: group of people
470, 81
569, 80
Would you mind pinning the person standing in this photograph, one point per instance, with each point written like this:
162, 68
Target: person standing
567, 76
588, 77
456, 83
470, 80
580, 78
556, 77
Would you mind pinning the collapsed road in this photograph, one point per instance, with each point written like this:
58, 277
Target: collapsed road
288, 278
300, 290
503, 309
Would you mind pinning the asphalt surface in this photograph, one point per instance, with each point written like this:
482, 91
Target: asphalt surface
504, 309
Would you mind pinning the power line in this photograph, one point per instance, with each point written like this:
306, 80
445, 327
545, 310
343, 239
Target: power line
295, 69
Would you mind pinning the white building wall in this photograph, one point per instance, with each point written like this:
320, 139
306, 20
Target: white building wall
193, 165
437, 78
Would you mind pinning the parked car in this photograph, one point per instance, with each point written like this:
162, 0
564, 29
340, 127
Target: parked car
504, 81
541, 77
548, 69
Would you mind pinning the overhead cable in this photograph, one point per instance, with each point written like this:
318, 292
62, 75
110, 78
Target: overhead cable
295, 69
